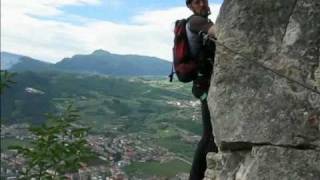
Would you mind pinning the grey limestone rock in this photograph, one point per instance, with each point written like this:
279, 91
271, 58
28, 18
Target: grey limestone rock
266, 120
251, 105
267, 163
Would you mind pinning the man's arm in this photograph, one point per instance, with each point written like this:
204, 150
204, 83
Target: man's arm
212, 31
201, 24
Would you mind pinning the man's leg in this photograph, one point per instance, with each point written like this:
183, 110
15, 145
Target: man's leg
205, 145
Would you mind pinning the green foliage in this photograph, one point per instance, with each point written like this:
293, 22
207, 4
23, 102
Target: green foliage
59, 147
17, 105
10, 141
134, 97
6, 80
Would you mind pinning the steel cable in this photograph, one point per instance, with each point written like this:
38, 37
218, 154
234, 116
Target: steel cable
264, 67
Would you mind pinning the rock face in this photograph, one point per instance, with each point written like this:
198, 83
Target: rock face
266, 162
262, 119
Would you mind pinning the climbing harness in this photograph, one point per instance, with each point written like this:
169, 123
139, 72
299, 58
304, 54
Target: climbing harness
206, 36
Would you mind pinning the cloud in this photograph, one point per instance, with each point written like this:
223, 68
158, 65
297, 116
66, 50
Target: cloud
149, 33
162, 17
41, 7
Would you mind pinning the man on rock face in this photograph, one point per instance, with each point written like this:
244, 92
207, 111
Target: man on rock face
198, 25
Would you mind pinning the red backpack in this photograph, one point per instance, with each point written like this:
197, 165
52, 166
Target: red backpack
184, 65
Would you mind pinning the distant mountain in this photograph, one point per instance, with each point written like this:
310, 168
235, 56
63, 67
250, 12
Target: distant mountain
98, 62
104, 62
18, 63
8, 60
30, 64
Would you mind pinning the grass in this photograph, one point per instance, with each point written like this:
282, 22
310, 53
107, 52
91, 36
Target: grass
174, 144
191, 126
153, 168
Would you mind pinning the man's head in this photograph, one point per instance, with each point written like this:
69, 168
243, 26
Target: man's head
199, 7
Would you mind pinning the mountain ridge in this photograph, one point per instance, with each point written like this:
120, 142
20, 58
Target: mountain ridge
99, 61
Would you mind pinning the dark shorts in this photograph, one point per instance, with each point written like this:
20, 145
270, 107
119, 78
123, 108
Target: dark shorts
200, 86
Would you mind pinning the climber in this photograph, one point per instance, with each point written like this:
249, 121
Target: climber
197, 25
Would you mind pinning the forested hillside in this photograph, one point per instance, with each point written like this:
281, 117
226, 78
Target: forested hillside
149, 110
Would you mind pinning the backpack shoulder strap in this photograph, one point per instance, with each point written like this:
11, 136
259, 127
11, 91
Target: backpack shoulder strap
187, 20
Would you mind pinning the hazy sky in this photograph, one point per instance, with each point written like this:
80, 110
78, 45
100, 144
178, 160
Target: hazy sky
53, 29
